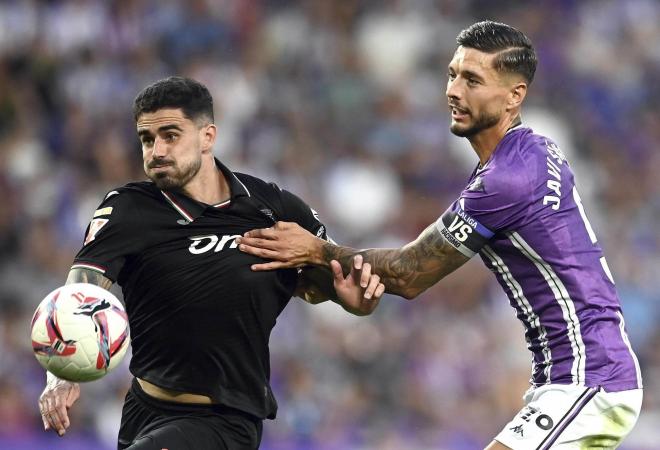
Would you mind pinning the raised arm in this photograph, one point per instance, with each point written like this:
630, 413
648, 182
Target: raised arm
59, 395
405, 271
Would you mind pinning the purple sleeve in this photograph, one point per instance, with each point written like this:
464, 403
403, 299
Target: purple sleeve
489, 204
502, 200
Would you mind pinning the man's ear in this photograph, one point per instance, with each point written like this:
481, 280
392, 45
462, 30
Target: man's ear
516, 95
209, 132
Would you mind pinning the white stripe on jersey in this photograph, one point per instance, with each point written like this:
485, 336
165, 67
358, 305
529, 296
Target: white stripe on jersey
565, 302
524, 305
624, 336
180, 210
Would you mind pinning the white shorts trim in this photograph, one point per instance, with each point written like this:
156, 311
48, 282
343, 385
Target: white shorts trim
568, 417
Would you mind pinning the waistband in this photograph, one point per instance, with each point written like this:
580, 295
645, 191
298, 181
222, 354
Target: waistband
168, 407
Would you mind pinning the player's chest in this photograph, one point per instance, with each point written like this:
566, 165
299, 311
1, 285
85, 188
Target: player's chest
206, 235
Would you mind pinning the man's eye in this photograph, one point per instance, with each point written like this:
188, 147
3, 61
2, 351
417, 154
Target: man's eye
147, 141
451, 76
472, 82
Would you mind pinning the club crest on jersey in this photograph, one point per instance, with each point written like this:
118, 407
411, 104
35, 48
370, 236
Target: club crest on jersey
94, 227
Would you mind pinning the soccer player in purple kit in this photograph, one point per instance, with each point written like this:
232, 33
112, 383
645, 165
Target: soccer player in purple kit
521, 212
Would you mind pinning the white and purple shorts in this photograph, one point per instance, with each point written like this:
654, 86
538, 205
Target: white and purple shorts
564, 417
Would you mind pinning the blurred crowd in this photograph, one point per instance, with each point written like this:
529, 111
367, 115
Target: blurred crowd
341, 102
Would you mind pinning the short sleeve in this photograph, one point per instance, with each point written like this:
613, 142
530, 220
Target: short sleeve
296, 210
488, 205
110, 236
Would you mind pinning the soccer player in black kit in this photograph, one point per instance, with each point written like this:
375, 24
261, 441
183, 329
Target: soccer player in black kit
200, 319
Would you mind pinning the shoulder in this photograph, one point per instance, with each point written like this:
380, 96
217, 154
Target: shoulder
130, 197
256, 185
519, 163
263, 191
286, 205
133, 190
532, 150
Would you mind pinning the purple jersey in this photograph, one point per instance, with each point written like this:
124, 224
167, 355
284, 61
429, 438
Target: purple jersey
522, 213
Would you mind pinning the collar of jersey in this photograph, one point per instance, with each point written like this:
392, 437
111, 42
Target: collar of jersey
191, 209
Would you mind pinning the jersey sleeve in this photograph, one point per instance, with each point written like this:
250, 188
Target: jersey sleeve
488, 205
110, 236
296, 210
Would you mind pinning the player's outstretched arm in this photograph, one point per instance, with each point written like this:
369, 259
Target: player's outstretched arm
59, 395
358, 292
405, 271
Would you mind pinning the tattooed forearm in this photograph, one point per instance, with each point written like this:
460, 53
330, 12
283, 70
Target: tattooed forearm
88, 276
409, 270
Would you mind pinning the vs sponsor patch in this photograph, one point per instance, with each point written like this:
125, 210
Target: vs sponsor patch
463, 231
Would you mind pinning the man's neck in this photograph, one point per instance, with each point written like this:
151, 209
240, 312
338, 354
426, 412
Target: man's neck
485, 142
209, 186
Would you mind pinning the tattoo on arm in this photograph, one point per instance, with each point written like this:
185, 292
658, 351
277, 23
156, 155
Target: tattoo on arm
409, 270
88, 276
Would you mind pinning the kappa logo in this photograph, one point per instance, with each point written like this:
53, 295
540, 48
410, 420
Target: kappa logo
477, 185
269, 213
518, 429
203, 244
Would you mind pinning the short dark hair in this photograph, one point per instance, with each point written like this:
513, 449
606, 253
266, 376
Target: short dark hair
191, 96
516, 52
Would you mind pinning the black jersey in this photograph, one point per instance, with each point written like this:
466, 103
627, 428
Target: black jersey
200, 318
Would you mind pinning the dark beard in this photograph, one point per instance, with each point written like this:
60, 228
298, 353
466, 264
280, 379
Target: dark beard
181, 177
483, 122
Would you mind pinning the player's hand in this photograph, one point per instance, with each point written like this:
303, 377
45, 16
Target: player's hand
55, 401
360, 291
287, 244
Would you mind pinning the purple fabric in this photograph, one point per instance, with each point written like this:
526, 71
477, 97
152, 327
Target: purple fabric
549, 264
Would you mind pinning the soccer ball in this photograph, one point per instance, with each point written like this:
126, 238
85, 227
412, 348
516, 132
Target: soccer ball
80, 332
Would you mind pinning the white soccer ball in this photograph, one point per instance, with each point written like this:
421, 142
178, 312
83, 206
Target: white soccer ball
80, 332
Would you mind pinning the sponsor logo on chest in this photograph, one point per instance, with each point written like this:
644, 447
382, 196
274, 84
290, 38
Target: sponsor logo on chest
212, 242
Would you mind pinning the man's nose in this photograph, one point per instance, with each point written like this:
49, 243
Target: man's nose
160, 149
453, 89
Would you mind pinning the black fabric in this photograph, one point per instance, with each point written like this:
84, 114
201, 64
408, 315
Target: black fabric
151, 424
200, 318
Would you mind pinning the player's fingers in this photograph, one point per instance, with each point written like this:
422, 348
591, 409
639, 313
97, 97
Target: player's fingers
48, 406
42, 412
257, 243
380, 290
281, 225
365, 276
374, 281
51, 414
59, 416
262, 252
73, 395
265, 233
272, 265
337, 271
357, 262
